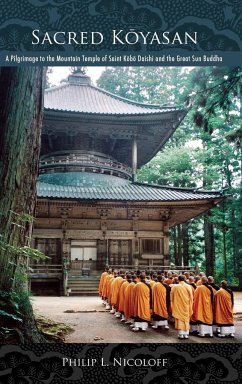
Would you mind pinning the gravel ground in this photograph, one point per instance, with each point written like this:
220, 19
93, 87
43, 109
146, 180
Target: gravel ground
91, 323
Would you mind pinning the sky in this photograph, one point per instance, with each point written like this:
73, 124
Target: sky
60, 73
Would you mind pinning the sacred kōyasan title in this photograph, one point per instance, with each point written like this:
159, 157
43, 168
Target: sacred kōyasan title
118, 37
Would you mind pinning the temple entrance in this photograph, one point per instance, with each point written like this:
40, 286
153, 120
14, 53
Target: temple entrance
83, 255
120, 252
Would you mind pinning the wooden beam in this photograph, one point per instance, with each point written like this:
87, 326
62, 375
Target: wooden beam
134, 158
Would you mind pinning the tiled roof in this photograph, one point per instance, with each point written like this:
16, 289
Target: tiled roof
82, 97
128, 192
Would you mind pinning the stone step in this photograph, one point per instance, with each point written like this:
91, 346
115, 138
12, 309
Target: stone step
83, 293
78, 286
74, 272
84, 289
83, 286
84, 278
87, 284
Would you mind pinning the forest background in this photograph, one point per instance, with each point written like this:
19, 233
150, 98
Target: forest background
203, 153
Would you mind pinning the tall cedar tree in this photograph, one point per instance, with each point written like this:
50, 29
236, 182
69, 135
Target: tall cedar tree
21, 95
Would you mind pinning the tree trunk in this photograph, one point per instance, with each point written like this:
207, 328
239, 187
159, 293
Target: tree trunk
179, 245
185, 243
209, 245
21, 93
175, 246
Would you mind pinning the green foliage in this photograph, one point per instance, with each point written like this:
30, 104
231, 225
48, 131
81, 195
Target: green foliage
27, 251
204, 152
13, 305
10, 315
172, 166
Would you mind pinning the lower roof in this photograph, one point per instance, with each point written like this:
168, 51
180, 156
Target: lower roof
128, 191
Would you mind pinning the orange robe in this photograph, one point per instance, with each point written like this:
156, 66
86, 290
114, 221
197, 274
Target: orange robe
121, 296
203, 305
142, 302
168, 281
181, 304
106, 285
116, 284
160, 302
129, 301
102, 278
194, 287
223, 308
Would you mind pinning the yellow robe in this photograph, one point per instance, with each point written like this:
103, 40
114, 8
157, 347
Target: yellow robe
116, 284
223, 308
105, 286
142, 302
129, 301
159, 303
203, 306
102, 279
121, 296
109, 283
181, 305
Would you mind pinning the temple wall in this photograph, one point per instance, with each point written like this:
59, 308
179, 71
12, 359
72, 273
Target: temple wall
117, 242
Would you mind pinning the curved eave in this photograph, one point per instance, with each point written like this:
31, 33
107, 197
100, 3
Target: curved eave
105, 114
130, 192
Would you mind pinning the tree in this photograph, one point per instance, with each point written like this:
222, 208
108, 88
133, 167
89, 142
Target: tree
212, 125
21, 91
217, 112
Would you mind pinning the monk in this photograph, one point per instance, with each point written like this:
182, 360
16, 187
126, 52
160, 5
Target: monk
121, 299
116, 284
181, 305
193, 323
149, 280
142, 304
110, 290
199, 278
223, 310
191, 281
169, 279
203, 308
187, 275
106, 288
129, 301
212, 284
100, 288
160, 303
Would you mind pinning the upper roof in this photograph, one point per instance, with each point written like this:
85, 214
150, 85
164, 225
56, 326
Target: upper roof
78, 95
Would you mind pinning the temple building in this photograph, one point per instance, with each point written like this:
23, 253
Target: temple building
91, 211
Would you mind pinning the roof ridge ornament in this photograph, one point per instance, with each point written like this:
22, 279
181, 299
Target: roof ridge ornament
78, 76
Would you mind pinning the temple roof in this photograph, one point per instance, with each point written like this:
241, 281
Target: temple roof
127, 191
80, 116
78, 95
88, 188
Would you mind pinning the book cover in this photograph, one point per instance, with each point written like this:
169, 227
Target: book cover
104, 33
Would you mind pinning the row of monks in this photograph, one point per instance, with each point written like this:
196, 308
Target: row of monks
194, 303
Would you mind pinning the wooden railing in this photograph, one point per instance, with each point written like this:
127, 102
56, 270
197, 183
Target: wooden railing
163, 268
83, 160
46, 270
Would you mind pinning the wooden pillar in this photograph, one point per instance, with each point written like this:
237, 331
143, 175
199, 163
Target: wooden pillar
166, 245
134, 159
65, 262
107, 256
